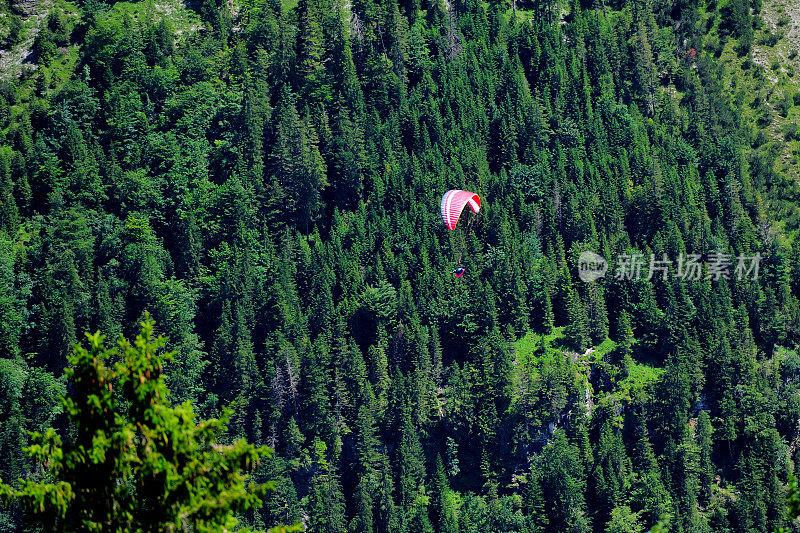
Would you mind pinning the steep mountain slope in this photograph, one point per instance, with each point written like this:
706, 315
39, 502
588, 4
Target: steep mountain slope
264, 178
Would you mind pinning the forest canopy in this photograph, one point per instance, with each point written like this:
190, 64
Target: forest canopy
263, 178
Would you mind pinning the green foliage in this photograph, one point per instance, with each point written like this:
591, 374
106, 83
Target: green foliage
134, 462
792, 499
264, 177
623, 520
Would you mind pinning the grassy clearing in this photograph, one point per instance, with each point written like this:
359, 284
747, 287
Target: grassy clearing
182, 21
641, 375
776, 50
765, 87
20, 64
527, 346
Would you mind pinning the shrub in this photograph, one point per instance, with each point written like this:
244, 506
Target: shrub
791, 132
763, 119
44, 47
769, 38
14, 30
57, 24
784, 104
713, 44
5, 112
745, 42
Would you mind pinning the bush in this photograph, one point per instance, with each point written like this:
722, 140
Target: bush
14, 30
745, 42
10, 91
42, 82
793, 54
791, 132
759, 74
713, 44
57, 24
769, 38
5, 112
760, 139
44, 47
736, 19
763, 119
784, 104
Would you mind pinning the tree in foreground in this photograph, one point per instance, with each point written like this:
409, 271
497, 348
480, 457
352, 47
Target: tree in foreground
133, 462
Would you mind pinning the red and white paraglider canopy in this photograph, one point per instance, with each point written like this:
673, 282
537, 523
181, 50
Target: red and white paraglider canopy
453, 203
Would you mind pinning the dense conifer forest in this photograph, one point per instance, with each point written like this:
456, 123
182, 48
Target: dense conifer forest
263, 179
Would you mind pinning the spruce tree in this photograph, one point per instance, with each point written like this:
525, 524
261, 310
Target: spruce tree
146, 467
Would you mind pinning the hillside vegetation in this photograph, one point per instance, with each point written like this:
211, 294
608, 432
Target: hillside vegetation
263, 178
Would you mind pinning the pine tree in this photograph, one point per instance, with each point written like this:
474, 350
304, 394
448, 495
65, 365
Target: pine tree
703, 436
412, 463
563, 485
625, 339
623, 520
326, 506
347, 163
310, 48
649, 493
534, 502
386, 512
131, 479
611, 470
577, 330
297, 162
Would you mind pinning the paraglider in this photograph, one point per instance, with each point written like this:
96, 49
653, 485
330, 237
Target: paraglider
453, 204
